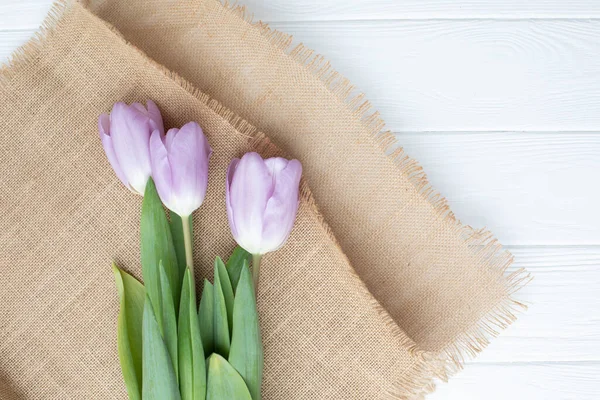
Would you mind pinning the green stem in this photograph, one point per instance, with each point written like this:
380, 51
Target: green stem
256, 271
187, 240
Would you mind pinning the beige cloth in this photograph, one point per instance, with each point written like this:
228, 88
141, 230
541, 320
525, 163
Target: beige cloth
434, 291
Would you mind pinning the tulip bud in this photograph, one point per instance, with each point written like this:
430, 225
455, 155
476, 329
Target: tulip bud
262, 198
180, 167
125, 136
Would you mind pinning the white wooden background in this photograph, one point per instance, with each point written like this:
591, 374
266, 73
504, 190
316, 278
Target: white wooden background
500, 101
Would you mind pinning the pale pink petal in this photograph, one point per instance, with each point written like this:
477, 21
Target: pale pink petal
282, 207
156, 121
230, 172
161, 168
130, 132
189, 153
104, 130
250, 189
139, 107
170, 137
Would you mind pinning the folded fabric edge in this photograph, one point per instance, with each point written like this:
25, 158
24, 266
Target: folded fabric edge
481, 243
409, 386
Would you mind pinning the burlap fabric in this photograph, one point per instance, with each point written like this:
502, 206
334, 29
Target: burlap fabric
434, 291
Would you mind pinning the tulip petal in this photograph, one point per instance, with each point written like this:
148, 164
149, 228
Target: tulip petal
190, 152
139, 107
282, 207
104, 129
230, 172
169, 137
156, 121
130, 135
161, 168
250, 189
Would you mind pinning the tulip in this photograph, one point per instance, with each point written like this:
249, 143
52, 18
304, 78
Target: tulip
262, 198
180, 167
125, 136
179, 162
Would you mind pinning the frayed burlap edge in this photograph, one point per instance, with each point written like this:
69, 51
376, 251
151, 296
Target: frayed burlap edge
429, 366
409, 385
481, 242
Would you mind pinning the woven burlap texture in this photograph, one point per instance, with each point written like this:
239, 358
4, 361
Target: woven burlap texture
434, 291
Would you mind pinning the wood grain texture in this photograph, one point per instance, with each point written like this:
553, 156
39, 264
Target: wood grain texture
562, 323
311, 10
465, 75
527, 188
533, 381
27, 13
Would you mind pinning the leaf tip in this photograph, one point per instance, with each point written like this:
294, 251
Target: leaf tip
118, 279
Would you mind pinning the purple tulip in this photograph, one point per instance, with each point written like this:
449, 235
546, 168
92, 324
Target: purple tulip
262, 199
180, 167
125, 135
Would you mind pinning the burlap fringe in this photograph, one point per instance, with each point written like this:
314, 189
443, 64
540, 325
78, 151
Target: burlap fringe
429, 366
481, 242
28, 52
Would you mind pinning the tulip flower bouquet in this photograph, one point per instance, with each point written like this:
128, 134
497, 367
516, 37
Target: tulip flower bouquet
169, 348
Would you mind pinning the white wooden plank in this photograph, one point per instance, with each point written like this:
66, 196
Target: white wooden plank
527, 188
10, 41
568, 381
463, 75
310, 10
23, 14
562, 323
28, 13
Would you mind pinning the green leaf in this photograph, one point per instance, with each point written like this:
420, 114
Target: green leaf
159, 380
192, 368
246, 353
178, 240
227, 289
206, 315
224, 382
157, 245
169, 320
221, 324
235, 263
129, 330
